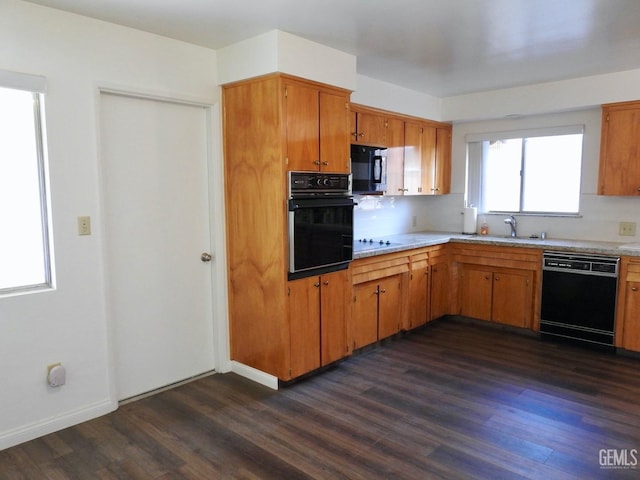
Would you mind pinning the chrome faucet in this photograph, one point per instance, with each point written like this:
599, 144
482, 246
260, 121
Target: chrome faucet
511, 221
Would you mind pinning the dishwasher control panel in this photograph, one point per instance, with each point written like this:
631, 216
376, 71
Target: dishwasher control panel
585, 264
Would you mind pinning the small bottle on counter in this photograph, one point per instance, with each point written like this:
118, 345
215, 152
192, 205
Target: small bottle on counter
484, 227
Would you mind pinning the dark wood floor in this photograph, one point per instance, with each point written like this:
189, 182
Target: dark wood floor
453, 401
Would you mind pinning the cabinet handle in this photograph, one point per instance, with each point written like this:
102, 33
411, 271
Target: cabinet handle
326, 282
361, 134
497, 279
316, 162
316, 285
486, 277
325, 163
383, 291
634, 289
638, 189
377, 292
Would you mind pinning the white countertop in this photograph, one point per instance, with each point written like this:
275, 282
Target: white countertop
408, 241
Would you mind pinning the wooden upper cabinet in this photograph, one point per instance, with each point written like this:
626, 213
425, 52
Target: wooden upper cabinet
419, 159
442, 184
620, 150
395, 156
334, 133
317, 128
369, 129
302, 109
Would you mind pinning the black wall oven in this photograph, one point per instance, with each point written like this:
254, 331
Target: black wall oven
320, 223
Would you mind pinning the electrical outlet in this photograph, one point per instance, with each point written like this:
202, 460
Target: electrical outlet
627, 229
84, 225
414, 221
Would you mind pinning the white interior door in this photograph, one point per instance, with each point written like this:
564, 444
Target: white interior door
157, 225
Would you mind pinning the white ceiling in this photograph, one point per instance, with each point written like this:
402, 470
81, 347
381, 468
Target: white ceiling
440, 47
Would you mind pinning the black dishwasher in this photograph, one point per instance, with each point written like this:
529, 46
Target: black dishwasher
579, 297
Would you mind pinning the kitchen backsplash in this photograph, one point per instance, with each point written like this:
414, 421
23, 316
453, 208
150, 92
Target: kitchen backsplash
379, 216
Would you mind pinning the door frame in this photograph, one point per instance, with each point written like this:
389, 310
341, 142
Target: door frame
217, 222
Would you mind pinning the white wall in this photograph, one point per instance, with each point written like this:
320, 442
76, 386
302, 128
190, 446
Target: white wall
379, 94
278, 51
77, 55
541, 98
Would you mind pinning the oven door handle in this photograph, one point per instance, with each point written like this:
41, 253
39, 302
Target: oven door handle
297, 204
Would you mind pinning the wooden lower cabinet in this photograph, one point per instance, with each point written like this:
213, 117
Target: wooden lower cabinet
304, 320
498, 284
419, 291
512, 297
441, 291
380, 298
429, 286
390, 306
628, 311
476, 287
334, 315
500, 295
318, 311
377, 310
364, 319
631, 336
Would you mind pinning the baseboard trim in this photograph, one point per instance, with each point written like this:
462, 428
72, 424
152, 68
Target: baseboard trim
54, 424
254, 374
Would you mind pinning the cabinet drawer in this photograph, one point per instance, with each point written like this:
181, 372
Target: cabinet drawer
367, 269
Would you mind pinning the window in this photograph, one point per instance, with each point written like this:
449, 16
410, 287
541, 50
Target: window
24, 243
526, 172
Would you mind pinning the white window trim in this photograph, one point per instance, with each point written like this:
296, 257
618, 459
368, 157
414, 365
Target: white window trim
23, 81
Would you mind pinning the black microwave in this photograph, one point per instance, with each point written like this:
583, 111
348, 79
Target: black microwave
368, 169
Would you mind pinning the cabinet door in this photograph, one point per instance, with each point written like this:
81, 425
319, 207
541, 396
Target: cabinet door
439, 289
476, 291
334, 133
395, 156
419, 297
334, 302
428, 165
419, 159
512, 297
304, 318
631, 332
364, 324
371, 130
442, 183
412, 158
389, 306
620, 151
302, 127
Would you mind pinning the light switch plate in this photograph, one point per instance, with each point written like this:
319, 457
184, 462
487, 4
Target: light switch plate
84, 225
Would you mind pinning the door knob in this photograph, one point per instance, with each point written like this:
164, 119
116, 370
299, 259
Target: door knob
205, 257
